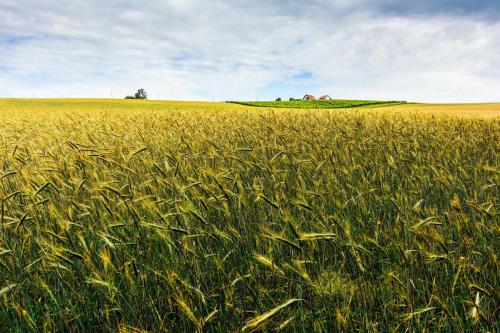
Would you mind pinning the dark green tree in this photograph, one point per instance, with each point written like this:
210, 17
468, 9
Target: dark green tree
141, 94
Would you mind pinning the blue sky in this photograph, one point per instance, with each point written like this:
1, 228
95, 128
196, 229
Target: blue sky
432, 51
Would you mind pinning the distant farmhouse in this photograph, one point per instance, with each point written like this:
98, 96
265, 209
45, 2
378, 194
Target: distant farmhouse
312, 98
309, 98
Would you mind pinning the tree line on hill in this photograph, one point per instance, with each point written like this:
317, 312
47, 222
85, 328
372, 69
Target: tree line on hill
291, 99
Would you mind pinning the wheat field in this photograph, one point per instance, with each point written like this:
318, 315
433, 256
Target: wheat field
169, 217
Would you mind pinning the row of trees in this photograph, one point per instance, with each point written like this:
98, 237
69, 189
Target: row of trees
291, 99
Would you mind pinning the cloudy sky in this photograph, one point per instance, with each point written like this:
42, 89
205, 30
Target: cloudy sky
430, 50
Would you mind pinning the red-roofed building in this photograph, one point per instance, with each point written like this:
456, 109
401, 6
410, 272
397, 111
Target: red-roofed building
309, 98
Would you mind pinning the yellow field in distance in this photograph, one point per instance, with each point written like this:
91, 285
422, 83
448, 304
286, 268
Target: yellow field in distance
483, 110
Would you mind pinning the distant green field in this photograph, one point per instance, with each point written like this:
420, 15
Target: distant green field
319, 104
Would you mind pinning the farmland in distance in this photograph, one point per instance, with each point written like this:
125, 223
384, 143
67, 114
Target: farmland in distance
321, 104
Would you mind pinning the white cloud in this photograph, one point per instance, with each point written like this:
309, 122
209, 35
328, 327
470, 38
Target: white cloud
243, 49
